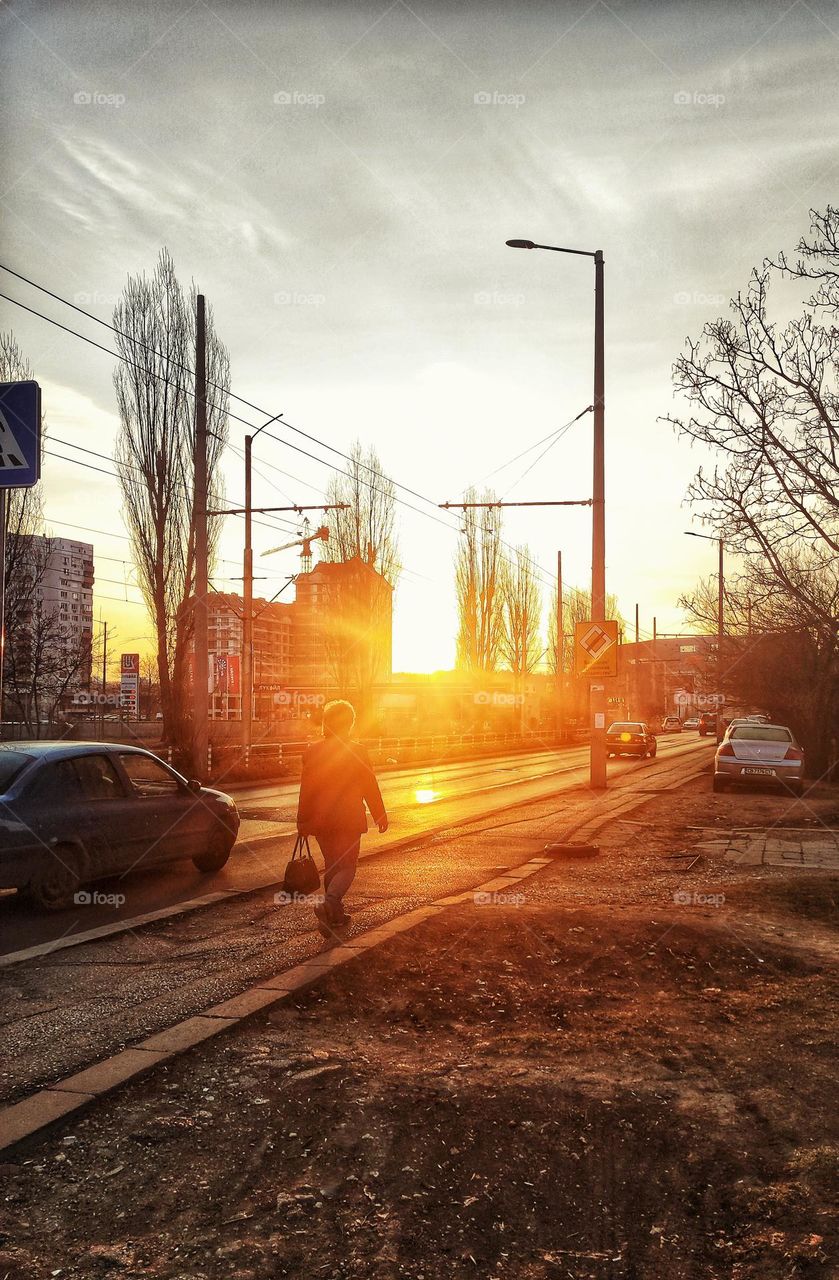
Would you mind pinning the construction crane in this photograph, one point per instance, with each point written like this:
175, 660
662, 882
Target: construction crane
305, 541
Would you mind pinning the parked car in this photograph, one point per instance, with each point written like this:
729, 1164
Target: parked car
691, 723
73, 812
671, 724
759, 753
630, 738
707, 723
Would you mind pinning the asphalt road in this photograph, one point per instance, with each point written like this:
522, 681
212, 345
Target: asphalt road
418, 799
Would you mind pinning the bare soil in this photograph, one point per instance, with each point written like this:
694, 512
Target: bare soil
616, 1074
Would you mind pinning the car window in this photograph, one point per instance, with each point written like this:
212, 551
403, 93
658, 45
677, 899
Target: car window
760, 733
11, 763
626, 728
57, 782
148, 776
98, 778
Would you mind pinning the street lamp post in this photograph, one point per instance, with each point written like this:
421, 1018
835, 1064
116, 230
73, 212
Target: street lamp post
597, 766
247, 611
720, 608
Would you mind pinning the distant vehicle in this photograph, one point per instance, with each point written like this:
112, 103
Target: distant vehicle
671, 724
707, 723
691, 723
73, 812
630, 738
759, 753
759, 719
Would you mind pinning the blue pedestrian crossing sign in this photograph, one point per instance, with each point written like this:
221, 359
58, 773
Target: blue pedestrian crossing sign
20, 434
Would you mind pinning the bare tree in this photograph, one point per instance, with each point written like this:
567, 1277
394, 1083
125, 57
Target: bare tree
521, 607
478, 579
764, 397
367, 527
155, 388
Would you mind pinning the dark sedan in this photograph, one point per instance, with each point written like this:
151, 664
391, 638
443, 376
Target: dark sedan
73, 812
630, 738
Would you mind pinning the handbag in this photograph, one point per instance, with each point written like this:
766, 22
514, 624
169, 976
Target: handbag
301, 873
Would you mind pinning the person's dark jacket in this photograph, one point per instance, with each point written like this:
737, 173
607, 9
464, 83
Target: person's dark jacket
336, 782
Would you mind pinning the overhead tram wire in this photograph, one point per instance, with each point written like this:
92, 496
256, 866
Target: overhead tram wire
240, 399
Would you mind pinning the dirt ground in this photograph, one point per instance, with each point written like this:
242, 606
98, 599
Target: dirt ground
617, 1069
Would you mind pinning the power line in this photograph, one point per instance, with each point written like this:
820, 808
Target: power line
251, 426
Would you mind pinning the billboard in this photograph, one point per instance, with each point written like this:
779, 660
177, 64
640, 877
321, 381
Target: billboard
129, 684
227, 669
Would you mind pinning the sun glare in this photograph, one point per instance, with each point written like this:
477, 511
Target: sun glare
426, 796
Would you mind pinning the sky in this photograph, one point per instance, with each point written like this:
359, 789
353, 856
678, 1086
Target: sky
340, 181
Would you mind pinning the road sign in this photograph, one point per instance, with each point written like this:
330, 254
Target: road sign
596, 648
20, 434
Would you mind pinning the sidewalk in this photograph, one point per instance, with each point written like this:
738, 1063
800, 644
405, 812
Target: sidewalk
613, 1069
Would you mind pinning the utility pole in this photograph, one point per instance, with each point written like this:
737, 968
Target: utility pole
2, 599
201, 657
598, 529
720, 629
247, 617
560, 652
104, 672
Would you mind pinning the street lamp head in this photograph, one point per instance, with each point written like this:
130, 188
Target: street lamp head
521, 244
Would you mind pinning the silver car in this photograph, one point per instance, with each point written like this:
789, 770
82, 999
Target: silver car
759, 753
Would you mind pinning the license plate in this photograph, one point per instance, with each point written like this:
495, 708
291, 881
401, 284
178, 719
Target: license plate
763, 773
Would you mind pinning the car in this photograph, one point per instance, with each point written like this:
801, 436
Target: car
707, 723
691, 723
671, 724
759, 753
630, 738
73, 812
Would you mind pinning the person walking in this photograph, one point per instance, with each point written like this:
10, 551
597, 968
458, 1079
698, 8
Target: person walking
336, 783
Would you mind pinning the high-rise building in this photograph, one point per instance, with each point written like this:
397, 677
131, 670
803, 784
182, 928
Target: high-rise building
55, 579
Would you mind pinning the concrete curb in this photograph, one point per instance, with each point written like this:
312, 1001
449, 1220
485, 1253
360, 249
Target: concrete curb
30, 1116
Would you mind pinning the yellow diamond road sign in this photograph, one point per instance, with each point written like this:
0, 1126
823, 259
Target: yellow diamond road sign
596, 648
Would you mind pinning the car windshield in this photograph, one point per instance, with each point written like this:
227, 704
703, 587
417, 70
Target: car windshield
761, 733
11, 763
626, 728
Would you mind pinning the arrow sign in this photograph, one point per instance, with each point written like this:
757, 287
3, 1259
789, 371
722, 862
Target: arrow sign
20, 434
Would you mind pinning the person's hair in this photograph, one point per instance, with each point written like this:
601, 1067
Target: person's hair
338, 718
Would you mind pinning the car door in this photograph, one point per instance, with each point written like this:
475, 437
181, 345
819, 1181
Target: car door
173, 818
81, 800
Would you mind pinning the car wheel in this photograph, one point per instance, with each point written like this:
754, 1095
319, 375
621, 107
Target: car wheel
217, 851
719, 784
54, 888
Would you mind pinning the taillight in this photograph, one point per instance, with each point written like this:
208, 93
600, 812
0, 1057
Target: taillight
726, 750
794, 753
